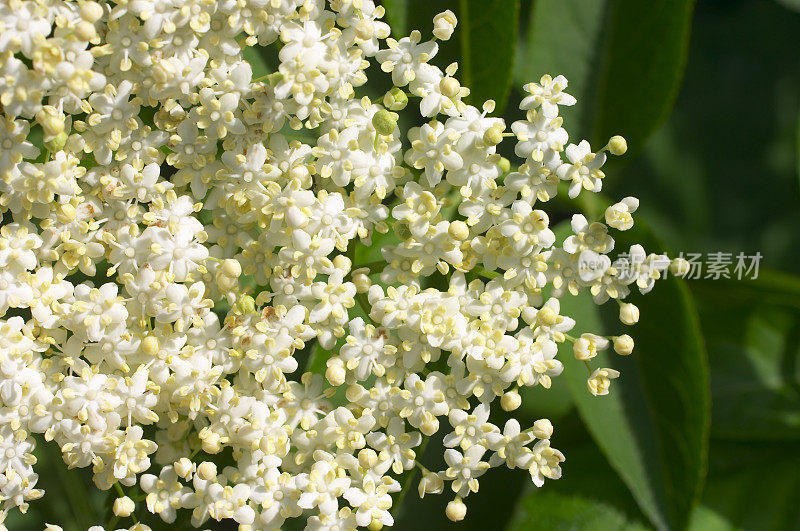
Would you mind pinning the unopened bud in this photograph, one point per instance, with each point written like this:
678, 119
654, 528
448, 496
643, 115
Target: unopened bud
342, 262
246, 304
617, 145
504, 164
124, 507
85, 31
150, 345
57, 143
367, 458
207, 471
184, 467
211, 444
458, 230
444, 24
395, 99
91, 11
628, 313
231, 268
384, 122
456, 510
361, 280
51, 120
510, 401
623, 345
335, 373
542, 429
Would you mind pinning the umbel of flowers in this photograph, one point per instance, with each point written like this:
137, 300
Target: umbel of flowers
177, 235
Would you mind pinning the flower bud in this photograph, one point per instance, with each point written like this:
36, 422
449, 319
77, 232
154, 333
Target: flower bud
510, 401
542, 429
342, 262
150, 345
375, 525
361, 280
504, 164
623, 345
458, 230
456, 510
231, 268
124, 507
246, 304
365, 29
384, 122
211, 443
628, 313
184, 467
52, 122
57, 143
493, 136
444, 24
354, 393
85, 31
207, 471
617, 145
395, 99
335, 373
367, 458
91, 11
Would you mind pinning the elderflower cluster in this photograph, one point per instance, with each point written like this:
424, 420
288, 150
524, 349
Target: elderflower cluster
188, 303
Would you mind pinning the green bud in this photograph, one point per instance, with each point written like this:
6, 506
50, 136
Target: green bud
246, 304
57, 143
504, 164
395, 99
385, 122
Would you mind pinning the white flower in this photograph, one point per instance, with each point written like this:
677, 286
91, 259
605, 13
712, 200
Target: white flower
583, 169
465, 469
549, 94
432, 149
619, 216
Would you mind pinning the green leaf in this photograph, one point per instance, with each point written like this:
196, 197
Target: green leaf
797, 139
790, 4
563, 38
547, 509
624, 60
396, 16
750, 486
753, 346
645, 57
653, 427
484, 43
488, 35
